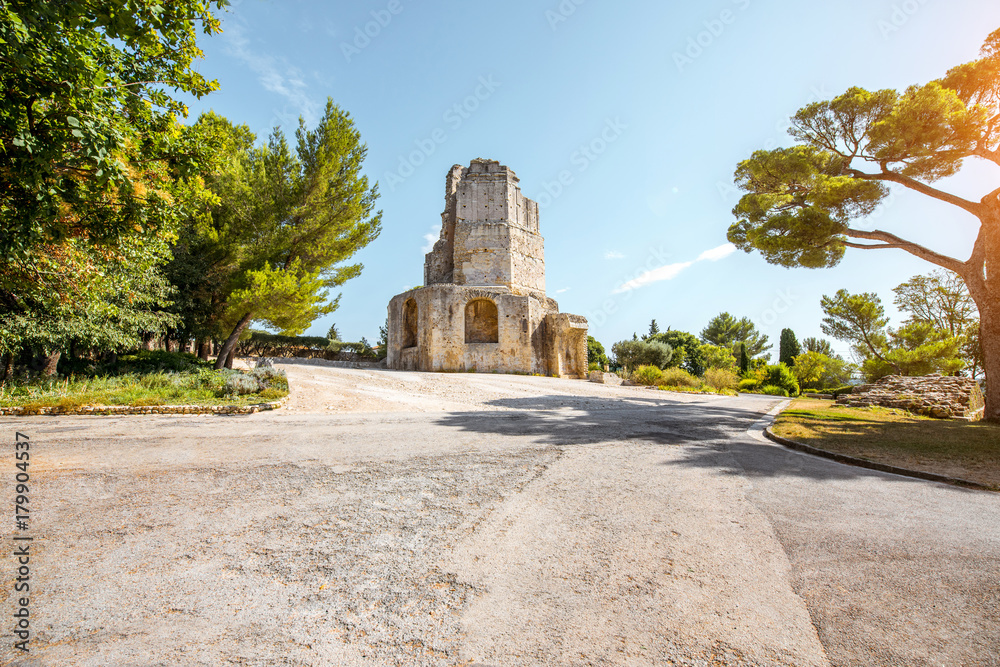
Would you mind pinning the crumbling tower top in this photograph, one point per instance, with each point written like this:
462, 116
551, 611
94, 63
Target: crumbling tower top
489, 232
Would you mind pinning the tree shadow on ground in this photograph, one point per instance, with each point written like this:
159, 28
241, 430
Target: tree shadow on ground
575, 420
715, 432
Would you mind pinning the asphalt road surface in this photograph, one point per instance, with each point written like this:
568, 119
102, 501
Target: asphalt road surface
422, 519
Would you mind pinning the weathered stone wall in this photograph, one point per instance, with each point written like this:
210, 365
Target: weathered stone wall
441, 331
567, 344
939, 396
439, 263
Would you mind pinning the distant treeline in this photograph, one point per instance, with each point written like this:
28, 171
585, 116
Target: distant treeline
263, 344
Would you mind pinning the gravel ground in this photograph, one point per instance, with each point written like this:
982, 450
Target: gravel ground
388, 518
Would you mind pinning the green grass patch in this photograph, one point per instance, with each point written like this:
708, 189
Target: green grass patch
947, 447
147, 379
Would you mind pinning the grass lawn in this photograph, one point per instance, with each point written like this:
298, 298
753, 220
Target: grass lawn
144, 379
960, 449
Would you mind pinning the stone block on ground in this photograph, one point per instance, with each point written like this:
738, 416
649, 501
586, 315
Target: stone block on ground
601, 377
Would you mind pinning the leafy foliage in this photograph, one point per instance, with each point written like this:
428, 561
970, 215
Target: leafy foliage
95, 171
90, 140
678, 377
283, 223
780, 375
815, 370
721, 380
647, 375
916, 348
724, 330
718, 358
595, 353
686, 347
631, 354
941, 299
820, 345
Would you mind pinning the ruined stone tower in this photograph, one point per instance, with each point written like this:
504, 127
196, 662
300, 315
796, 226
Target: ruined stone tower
483, 305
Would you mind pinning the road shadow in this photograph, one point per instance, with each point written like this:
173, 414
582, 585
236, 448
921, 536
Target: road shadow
715, 432
574, 420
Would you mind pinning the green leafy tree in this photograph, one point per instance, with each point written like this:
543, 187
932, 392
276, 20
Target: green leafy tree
719, 358
653, 329
916, 348
725, 330
687, 350
283, 224
595, 352
630, 354
333, 334
857, 318
818, 370
801, 202
87, 123
788, 347
942, 300
820, 345
94, 172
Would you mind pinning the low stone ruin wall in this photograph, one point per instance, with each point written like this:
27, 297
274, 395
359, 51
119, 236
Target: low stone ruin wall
605, 378
939, 396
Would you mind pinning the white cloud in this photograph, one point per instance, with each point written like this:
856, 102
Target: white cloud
276, 77
430, 238
563, 290
668, 272
715, 254
613, 254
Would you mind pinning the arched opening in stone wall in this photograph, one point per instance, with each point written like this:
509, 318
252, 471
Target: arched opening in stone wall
482, 322
409, 323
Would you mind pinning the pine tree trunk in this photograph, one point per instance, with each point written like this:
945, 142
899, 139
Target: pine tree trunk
8, 367
51, 362
989, 331
229, 347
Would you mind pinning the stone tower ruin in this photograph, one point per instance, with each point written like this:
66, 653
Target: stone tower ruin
483, 305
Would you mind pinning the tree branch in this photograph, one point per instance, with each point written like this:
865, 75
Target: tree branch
893, 241
972, 207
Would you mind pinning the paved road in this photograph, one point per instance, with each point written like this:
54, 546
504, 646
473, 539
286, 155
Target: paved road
546, 522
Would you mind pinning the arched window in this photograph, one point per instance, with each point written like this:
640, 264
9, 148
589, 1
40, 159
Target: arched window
410, 323
482, 322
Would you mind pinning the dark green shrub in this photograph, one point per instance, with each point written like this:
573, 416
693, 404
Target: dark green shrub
771, 390
749, 385
780, 375
155, 361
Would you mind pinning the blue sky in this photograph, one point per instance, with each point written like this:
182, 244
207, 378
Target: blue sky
624, 120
